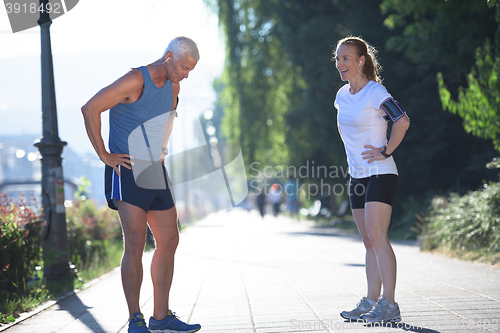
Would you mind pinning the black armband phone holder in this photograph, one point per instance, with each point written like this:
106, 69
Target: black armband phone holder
392, 109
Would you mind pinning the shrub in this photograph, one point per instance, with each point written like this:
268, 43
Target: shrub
468, 226
20, 246
94, 237
91, 231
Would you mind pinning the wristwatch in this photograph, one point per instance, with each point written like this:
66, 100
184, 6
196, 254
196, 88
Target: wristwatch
384, 153
164, 150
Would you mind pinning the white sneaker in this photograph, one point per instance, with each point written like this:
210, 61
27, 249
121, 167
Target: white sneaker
362, 307
383, 312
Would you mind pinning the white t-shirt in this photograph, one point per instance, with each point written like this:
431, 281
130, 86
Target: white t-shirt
360, 122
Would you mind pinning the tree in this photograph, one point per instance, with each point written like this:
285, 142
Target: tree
279, 74
280, 82
479, 103
433, 36
256, 80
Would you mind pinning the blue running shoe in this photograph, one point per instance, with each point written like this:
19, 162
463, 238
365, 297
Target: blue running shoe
136, 324
171, 324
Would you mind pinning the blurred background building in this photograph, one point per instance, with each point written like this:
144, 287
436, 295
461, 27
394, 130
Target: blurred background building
20, 169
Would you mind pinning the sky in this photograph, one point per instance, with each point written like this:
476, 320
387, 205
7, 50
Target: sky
92, 45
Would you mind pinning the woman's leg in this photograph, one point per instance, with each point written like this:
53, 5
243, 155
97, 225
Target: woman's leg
371, 266
377, 219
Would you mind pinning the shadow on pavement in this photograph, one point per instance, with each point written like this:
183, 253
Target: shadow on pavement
74, 306
325, 233
353, 236
354, 265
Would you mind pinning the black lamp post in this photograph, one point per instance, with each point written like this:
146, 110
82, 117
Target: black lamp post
55, 244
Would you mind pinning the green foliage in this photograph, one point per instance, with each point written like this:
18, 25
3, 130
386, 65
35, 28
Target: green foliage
257, 82
95, 243
427, 37
413, 209
20, 240
479, 103
279, 68
13, 304
466, 225
495, 164
83, 190
20, 254
93, 234
279, 81
438, 33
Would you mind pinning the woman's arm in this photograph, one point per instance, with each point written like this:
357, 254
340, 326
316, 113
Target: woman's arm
398, 132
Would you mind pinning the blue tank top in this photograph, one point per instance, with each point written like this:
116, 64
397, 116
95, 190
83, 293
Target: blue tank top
137, 128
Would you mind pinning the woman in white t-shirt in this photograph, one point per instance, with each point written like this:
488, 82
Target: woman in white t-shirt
364, 108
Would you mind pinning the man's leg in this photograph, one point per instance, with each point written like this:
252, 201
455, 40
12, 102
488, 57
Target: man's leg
133, 220
163, 224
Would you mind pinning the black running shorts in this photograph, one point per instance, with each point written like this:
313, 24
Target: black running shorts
380, 188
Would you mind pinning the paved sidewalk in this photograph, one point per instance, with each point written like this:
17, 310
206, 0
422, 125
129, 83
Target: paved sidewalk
238, 273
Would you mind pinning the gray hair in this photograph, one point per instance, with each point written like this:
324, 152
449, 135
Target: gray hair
180, 45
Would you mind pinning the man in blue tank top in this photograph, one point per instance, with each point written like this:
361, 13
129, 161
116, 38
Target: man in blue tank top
141, 103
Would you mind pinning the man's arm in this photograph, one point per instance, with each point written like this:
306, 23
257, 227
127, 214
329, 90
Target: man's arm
124, 90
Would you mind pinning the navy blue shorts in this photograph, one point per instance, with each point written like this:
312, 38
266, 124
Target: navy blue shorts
380, 188
125, 188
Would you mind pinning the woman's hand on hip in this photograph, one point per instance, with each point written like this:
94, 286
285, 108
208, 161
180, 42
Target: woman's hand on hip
372, 154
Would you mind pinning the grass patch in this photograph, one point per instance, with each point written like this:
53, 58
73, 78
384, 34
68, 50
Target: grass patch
38, 293
13, 305
99, 265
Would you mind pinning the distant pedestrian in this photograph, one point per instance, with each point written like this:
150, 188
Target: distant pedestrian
140, 103
275, 198
364, 108
291, 190
261, 202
